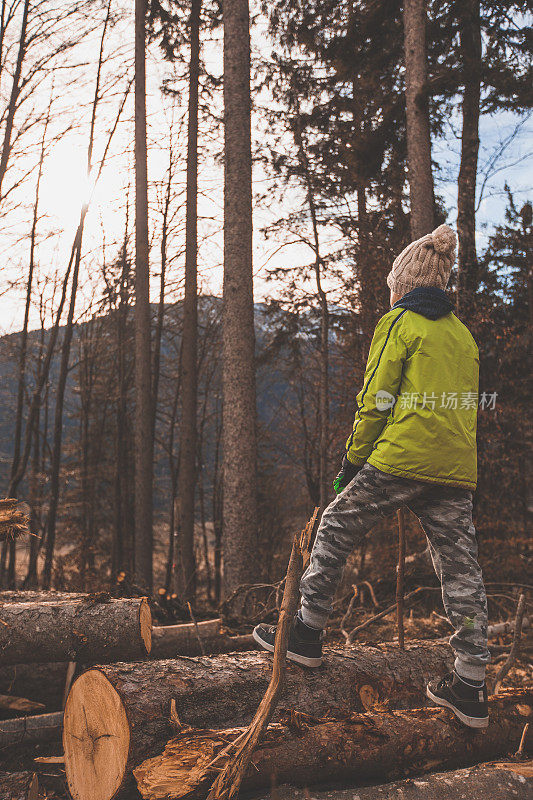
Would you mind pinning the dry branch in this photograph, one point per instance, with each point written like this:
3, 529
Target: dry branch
19, 705
371, 746
14, 521
515, 648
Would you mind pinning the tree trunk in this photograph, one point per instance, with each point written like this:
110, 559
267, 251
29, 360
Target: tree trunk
238, 364
497, 781
31, 730
132, 702
417, 113
19, 786
80, 630
368, 747
467, 268
55, 465
67, 337
122, 553
323, 393
144, 443
14, 95
186, 563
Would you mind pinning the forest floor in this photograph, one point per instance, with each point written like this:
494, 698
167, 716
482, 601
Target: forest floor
507, 567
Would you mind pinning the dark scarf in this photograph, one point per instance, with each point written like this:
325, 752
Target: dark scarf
429, 301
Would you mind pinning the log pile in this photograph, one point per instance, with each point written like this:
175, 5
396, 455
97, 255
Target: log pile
129, 709
158, 710
370, 746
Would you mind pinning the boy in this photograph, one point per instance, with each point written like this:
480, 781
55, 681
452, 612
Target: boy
413, 444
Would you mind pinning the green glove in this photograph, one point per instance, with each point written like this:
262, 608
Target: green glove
345, 476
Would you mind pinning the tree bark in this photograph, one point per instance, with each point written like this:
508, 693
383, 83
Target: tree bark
74, 631
132, 702
470, 47
144, 443
31, 730
371, 746
417, 113
19, 786
499, 781
238, 363
55, 464
186, 562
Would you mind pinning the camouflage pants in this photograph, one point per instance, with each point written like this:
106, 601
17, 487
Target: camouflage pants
446, 517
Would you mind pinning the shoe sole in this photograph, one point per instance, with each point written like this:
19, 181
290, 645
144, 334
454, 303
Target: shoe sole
471, 722
304, 660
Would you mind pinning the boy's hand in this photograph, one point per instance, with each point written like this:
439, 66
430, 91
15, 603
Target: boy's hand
345, 476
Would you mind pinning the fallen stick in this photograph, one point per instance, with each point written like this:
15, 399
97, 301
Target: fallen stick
365, 747
78, 630
19, 705
19, 786
508, 626
400, 579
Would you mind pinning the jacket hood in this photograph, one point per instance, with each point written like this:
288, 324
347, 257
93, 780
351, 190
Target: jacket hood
429, 301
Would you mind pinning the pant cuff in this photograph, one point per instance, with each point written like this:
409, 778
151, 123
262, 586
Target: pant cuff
465, 669
313, 618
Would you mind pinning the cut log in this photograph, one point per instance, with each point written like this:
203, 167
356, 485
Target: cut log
75, 630
169, 641
499, 781
380, 745
31, 730
19, 786
44, 683
126, 707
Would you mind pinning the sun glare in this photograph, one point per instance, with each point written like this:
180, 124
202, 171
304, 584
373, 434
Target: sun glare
65, 185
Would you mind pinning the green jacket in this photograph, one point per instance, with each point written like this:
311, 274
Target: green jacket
417, 411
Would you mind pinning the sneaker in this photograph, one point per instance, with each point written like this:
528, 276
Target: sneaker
469, 704
305, 643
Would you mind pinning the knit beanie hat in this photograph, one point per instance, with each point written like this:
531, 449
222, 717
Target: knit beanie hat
426, 262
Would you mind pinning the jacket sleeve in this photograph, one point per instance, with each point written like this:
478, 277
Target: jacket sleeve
383, 376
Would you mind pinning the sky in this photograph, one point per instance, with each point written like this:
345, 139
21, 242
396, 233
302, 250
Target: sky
64, 184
